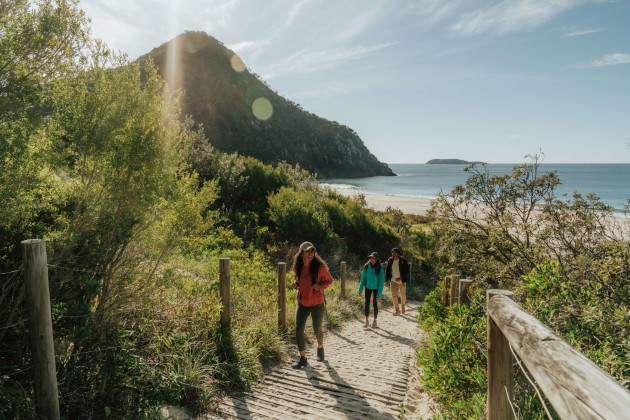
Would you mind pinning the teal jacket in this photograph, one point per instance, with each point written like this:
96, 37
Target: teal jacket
371, 280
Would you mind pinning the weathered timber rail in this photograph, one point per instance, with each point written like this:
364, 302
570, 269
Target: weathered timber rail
575, 386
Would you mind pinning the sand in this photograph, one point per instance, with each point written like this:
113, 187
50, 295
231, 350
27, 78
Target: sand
380, 202
619, 224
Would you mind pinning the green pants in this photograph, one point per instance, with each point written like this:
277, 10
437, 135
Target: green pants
317, 314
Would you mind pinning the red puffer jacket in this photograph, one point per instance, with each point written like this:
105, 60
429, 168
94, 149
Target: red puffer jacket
306, 295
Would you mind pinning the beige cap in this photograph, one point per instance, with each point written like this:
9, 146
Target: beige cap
306, 246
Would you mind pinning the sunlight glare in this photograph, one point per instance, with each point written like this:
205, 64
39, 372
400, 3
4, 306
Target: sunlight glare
237, 63
262, 109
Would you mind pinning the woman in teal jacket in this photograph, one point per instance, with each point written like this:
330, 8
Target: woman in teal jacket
372, 278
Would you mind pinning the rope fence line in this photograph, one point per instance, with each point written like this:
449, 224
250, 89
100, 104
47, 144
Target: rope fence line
19, 270
14, 325
512, 406
531, 382
72, 316
93, 273
93, 351
76, 270
7, 375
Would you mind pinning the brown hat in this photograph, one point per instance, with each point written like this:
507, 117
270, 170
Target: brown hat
374, 254
305, 246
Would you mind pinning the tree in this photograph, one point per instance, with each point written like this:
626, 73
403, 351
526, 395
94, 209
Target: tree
39, 42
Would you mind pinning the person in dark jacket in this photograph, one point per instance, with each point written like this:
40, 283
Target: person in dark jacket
397, 276
372, 279
311, 278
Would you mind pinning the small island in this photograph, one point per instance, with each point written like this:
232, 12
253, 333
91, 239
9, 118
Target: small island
452, 162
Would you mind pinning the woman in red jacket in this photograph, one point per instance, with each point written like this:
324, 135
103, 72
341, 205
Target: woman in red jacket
311, 278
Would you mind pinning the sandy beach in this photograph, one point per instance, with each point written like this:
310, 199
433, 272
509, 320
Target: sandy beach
380, 202
419, 206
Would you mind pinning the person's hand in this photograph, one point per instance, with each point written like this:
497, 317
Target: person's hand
378, 299
360, 294
295, 285
316, 287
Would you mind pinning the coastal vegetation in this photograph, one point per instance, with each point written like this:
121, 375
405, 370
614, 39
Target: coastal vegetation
137, 202
566, 259
136, 206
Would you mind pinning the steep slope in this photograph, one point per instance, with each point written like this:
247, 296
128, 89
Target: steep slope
224, 100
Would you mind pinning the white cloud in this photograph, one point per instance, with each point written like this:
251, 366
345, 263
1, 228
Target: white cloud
327, 90
581, 32
218, 15
306, 61
512, 16
611, 60
432, 11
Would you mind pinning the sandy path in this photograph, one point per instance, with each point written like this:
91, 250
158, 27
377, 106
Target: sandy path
368, 373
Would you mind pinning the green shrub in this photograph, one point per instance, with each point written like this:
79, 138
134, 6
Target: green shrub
454, 359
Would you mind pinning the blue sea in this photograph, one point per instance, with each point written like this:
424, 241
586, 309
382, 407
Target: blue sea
610, 182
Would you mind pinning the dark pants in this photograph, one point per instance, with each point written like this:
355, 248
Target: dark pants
370, 293
317, 315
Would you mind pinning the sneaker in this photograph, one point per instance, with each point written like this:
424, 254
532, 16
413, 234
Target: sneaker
300, 363
403, 311
397, 313
320, 354
374, 324
367, 324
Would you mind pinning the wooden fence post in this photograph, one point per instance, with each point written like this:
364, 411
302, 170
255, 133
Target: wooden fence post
224, 285
464, 297
40, 326
447, 286
454, 289
343, 279
500, 376
282, 296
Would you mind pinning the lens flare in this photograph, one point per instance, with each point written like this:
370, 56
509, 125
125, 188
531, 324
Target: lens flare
262, 109
237, 63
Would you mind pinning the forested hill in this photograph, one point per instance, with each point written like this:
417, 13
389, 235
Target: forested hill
222, 99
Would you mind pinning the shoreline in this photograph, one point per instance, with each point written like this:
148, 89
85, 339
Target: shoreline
419, 206
380, 202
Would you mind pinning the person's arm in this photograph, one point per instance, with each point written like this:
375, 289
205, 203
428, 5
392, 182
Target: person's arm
362, 281
325, 278
381, 282
388, 273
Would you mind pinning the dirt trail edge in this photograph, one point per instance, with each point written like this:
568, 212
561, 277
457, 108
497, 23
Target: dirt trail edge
368, 373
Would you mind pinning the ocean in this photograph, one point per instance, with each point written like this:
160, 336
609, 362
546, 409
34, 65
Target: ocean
610, 182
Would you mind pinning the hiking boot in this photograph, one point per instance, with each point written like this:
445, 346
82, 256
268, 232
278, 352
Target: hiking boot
403, 310
300, 363
320, 354
397, 313
374, 324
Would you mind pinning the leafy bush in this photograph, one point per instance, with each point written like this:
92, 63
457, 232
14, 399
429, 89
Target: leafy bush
595, 322
566, 259
454, 360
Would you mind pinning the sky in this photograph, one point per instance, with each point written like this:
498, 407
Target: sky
483, 80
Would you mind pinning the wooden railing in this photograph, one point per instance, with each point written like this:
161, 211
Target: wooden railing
575, 386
